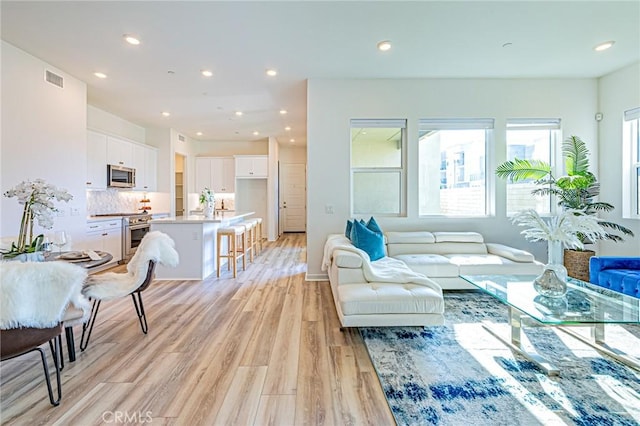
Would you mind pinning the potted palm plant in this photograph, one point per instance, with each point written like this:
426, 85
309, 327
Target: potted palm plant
576, 190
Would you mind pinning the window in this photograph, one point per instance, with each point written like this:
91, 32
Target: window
452, 166
631, 150
377, 167
530, 139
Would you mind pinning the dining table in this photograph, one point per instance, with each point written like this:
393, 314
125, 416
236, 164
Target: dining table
83, 259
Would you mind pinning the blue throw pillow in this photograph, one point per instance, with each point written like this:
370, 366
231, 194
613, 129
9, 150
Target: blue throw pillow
373, 226
370, 242
347, 231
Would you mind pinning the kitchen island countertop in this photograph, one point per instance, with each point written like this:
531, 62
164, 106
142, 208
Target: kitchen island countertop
222, 217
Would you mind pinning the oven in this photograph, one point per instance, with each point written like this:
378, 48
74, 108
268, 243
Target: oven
134, 228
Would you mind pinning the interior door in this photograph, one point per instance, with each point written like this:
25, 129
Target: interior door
293, 181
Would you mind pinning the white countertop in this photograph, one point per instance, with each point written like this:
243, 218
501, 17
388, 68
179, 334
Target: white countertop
219, 217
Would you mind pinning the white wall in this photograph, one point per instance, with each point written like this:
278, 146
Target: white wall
43, 136
105, 122
292, 154
332, 103
618, 91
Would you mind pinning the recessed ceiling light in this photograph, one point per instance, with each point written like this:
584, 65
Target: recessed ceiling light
166, 113
287, 128
198, 133
271, 72
131, 39
604, 46
100, 74
292, 140
238, 113
384, 45
283, 111
256, 133
207, 73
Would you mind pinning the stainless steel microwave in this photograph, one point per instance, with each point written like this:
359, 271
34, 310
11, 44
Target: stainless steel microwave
120, 177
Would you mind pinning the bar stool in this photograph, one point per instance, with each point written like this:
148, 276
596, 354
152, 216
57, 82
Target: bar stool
250, 229
236, 247
255, 235
258, 232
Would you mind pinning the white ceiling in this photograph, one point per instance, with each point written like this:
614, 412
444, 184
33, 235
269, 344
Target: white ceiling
303, 40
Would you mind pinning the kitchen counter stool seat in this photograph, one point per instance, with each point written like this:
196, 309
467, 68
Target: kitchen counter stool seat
236, 247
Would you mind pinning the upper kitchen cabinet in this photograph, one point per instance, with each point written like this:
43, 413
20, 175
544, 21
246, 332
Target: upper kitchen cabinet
145, 164
216, 173
223, 173
96, 160
252, 166
119, 152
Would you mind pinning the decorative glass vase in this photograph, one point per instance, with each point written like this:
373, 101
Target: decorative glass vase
553, 280
209, 209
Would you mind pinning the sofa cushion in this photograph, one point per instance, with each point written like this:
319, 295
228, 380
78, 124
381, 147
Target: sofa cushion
347, 230
389, 298
510, 252
431, 265
419, 237
373, 225
458, 237
474, 264
370, 242
626, 281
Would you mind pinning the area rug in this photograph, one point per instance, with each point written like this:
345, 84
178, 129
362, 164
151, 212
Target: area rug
460, 374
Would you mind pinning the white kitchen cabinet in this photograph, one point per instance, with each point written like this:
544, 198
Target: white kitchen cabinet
217, 173
119, 152
204, 176
223, 177
96, 160
105, 235
251, 166
145, 163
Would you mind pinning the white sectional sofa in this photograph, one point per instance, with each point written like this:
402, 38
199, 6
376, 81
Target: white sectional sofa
444, 256
405, 288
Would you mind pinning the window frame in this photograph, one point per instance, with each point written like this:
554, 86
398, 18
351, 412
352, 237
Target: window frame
554, 125
631, 163
400, 123
486, 124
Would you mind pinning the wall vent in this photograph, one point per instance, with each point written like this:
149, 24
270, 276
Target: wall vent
181, 138
54, 79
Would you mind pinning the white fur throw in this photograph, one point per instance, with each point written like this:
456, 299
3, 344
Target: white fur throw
156, 246
385, 270
36, 294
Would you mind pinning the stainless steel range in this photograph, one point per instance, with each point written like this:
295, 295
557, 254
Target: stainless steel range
134, 228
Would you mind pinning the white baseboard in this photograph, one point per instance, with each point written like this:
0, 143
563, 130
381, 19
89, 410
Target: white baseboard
316, 277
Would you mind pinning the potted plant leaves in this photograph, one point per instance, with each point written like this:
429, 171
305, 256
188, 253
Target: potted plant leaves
576, 190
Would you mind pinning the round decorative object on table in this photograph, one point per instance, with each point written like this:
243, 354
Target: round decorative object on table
550, 283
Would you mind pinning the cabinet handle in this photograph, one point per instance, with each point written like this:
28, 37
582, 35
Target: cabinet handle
88, 183
93, 226
105, 234
120, 162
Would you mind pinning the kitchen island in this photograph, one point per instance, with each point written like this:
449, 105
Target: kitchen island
195, 238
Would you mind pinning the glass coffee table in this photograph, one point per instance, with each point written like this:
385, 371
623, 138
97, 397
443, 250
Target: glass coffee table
583, 305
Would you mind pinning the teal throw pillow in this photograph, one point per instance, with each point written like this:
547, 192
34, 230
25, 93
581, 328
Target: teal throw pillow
373, 226
347, 231
370, 242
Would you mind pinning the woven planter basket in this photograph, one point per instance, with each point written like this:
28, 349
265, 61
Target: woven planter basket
577, 263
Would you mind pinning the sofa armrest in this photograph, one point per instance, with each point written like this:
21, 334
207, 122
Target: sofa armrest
600, 263
510, 253
347, 259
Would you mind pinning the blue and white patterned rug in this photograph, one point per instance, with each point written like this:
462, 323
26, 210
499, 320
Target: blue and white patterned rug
459, 374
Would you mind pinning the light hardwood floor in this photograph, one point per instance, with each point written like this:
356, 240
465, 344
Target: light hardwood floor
263, 349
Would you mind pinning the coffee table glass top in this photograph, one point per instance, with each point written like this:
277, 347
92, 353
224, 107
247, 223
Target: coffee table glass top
584, 303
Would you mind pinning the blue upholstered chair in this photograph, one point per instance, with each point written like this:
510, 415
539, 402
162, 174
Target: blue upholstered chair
621, 274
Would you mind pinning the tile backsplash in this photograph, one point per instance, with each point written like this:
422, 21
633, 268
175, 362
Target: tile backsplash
113, 201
